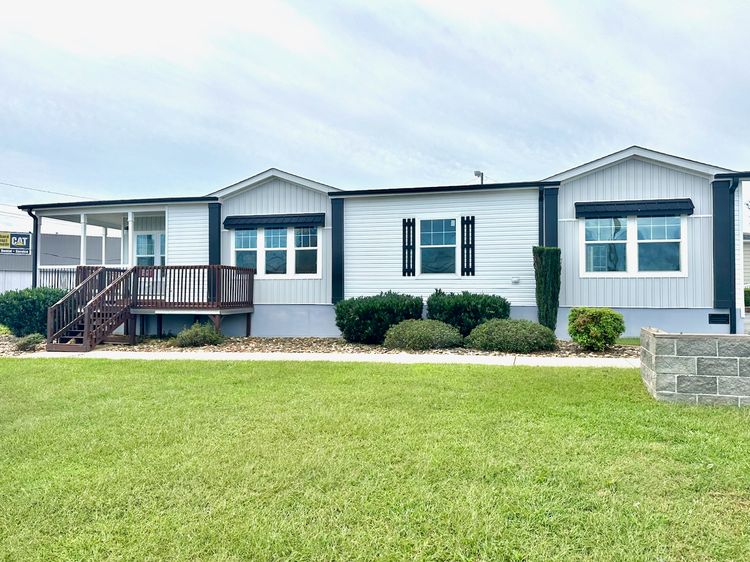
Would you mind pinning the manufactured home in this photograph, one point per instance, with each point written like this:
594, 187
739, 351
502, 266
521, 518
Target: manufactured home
655, 236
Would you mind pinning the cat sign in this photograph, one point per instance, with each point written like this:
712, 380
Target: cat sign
18, 243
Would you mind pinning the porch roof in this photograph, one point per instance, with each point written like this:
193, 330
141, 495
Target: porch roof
118, 202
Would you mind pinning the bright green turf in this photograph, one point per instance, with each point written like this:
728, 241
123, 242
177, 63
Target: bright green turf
628, 341
300, 461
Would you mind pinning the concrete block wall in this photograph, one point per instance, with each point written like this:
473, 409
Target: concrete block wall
696, 368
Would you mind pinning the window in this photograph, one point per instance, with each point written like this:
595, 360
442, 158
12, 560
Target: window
659, 243
145, 249
634, 246
245, 248
606, 241
437, 245
275, 243
279, 251
306, 250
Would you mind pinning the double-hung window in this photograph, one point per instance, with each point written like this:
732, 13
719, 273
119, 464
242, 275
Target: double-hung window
306, 250
275, 253
279, 251
606, 244
634, 246
659, 240
437, 250
246, 248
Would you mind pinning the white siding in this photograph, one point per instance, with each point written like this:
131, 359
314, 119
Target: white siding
277, 197
506, 229
149, 223
187, 235
638, 179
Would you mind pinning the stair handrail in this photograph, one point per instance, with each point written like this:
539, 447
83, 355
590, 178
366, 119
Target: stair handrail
99, 321
67, 309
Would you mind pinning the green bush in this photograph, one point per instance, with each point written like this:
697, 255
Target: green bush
29, 343
747, 296
25, 311
595, 328
367, 319
198, 335
547, 269
511, 336
466, 310
422, 334
5, 331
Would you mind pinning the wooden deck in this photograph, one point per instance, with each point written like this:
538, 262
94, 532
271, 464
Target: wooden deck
104, 299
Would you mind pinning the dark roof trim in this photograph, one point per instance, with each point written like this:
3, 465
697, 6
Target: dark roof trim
442, 188
111, 202
255, 221
733, 175
639, 208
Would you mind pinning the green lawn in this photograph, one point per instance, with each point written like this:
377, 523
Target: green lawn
302, 461
628, 341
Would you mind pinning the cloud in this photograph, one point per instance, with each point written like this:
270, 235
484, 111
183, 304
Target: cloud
164, 98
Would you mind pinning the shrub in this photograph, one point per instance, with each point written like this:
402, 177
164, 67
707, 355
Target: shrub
29, 343
547, 269
5, 331
198, 335
25, 311
511, 336
367, 319
595, 328
422, 334
747, 296
466, 310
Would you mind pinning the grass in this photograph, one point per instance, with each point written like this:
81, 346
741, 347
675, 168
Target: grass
628, 341
302, 461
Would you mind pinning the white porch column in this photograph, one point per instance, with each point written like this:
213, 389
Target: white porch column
131, 239
84, 221
104, 247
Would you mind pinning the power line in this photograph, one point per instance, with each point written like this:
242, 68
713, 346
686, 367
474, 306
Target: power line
40, 190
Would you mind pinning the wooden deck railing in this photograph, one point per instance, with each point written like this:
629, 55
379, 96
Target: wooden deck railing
193, 287
108, 310
69, 310
67, 277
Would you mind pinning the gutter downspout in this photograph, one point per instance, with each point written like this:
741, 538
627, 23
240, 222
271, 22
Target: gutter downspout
35, 252
733, 264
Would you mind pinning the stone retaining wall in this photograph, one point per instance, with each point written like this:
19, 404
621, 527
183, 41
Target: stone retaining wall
696, 368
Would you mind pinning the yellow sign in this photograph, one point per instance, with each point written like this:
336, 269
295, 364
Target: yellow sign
18, 243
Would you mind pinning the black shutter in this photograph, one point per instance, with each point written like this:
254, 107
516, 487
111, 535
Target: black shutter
467, 246
408, 248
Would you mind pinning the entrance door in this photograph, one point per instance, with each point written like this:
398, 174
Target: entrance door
150, 248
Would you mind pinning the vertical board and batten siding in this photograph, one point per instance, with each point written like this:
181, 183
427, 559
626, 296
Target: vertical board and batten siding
506, 229
628, 180
277, 197
150, 223
187, 235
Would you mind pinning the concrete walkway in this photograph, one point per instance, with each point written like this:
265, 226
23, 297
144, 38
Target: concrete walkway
403, 358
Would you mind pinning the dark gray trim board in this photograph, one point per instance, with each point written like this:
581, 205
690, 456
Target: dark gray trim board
256, 221
337, 250
441, 189
550, 216
214, 233
638, 208
722, 256
107, 202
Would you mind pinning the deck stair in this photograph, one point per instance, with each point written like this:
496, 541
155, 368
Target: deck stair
91, 312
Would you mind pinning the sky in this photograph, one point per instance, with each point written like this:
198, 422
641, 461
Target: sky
148, 99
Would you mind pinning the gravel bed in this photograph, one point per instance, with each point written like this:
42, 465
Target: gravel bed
324, 345
336, 345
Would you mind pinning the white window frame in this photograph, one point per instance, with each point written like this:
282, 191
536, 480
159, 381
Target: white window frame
631, 253
418, 246
290, 255
158, 250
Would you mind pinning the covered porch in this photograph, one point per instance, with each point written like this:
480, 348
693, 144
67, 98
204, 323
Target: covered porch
141, 235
